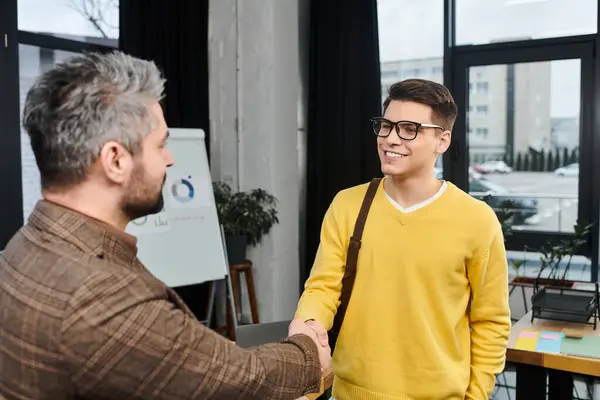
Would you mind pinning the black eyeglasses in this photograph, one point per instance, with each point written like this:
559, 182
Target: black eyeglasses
406, 130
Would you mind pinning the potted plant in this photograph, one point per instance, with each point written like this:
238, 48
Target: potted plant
517, 264
555, 296
553, 254
552, 258
246, 218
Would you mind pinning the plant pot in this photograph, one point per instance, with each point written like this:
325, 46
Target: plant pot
522, 281
236, 248
528, 281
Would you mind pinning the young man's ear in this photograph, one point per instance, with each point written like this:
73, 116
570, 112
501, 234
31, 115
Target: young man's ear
444, 142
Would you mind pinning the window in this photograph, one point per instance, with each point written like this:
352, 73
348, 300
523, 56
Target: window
480, 22
416, 55
477, 186
37, 33
530, 142
482, 132
411, 73
72, 19
32, 62
479, 87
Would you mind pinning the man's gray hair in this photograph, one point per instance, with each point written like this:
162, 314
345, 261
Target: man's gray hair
75, 108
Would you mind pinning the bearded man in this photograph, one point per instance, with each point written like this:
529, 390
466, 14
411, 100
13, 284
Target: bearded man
81, 317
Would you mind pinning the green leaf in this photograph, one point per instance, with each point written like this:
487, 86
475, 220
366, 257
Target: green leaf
250, 213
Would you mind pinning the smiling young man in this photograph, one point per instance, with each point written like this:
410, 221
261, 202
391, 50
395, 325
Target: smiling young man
428, 317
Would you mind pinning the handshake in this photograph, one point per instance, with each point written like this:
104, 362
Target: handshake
318, 334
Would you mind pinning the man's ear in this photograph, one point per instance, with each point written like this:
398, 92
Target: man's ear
115, 161
444, 142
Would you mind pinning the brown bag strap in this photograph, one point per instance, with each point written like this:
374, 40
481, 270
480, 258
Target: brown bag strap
351, 259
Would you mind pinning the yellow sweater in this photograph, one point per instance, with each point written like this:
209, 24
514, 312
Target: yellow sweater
423, 279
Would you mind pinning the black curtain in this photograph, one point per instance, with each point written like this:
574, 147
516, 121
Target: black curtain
344, 93
174, 34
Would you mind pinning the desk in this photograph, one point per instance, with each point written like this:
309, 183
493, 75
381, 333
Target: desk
326, 382
532, 366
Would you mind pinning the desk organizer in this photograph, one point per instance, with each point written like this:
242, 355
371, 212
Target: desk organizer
578, 304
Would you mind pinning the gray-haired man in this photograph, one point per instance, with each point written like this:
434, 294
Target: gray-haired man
81, 317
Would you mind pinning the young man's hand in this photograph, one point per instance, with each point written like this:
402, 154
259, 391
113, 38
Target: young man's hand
319, 330
297, 326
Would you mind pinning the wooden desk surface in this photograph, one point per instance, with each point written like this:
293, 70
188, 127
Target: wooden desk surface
562, 362
326, 382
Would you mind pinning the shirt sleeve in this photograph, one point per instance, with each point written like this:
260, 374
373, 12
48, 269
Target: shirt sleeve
489, 315
122, 337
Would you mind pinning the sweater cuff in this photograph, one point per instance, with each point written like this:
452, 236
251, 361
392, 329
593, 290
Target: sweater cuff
312, 362
307, 316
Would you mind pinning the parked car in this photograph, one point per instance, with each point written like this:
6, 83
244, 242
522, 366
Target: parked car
568, 170
525, 209
493, 167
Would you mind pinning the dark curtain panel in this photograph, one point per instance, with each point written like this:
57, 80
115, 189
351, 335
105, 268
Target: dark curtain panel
174, 34
344, 93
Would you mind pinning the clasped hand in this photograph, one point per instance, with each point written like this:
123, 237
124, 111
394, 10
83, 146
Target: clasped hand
318, 334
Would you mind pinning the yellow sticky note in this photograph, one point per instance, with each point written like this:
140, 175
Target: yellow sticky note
527, 340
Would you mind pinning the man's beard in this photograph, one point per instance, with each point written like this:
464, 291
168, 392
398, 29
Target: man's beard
136, 206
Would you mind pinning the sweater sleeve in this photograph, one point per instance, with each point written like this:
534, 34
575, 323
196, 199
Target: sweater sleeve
322, 290
489, 315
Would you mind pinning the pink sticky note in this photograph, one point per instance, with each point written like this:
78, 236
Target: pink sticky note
528, 334
550, 336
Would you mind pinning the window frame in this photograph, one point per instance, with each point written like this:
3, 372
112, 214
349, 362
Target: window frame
458, 60
56, 43
583, 50
11, 202
509, 42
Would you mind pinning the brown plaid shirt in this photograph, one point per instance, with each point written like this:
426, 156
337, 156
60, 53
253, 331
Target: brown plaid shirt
81, 317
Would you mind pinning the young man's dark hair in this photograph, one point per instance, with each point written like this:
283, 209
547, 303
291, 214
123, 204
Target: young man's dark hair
430, 93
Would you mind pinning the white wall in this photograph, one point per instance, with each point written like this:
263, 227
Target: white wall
254, 100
